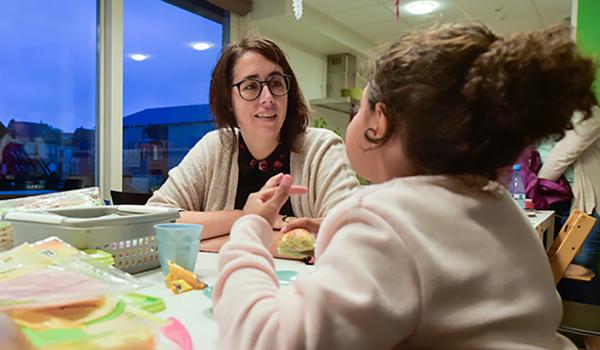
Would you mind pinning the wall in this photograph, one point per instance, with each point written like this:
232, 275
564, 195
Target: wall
309, 66
588, 31
311, 71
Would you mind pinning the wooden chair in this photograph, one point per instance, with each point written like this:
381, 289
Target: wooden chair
567, 244
581, 322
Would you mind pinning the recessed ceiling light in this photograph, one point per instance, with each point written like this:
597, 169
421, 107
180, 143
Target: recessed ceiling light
201, 45
139, 57
421, 7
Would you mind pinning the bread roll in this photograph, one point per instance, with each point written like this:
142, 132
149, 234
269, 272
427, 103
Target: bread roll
297, 243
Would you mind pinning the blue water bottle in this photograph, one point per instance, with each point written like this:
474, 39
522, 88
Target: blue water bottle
516, 187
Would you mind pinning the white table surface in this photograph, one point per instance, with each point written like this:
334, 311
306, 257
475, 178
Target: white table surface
193, 309
543, 221
540, 217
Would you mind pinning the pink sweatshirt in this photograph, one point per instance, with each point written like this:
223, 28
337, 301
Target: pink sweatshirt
427, 262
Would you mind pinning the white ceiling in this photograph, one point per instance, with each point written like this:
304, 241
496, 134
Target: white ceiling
332, 26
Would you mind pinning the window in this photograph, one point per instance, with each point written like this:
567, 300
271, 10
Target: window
47, 95
168, 55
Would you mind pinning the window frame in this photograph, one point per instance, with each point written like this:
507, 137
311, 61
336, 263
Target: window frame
109, 100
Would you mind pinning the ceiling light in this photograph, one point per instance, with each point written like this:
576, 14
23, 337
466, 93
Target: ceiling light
421, 7
201, 45
139, 57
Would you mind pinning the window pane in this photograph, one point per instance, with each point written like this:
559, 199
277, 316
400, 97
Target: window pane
168, 56
47, 95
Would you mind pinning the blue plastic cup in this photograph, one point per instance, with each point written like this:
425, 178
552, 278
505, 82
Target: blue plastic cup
179, 243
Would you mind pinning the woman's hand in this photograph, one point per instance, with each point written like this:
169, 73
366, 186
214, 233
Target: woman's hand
268, 201
273, 181
279, 222
310, 224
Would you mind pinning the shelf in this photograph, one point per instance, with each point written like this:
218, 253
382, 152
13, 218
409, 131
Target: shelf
338, 104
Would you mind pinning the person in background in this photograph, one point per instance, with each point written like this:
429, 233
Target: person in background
262, 133
436, 254
579, 152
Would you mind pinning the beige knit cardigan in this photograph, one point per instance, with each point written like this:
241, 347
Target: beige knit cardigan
207, 177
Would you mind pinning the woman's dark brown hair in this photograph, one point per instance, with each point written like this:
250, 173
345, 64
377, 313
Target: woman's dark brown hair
297, 115
465, 101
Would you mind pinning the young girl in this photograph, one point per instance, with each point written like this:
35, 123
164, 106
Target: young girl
437, 255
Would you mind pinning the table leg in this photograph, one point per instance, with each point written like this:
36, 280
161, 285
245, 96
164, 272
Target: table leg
550, 233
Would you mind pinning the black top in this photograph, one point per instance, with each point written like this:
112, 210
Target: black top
255, 173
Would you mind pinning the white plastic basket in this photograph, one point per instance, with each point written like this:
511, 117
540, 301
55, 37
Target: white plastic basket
79, 198
125, 231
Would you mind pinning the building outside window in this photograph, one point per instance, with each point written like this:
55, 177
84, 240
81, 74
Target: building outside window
168, 55
47, 95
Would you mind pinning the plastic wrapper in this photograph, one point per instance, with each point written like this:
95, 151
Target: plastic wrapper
80, 198
51, 273
104, 324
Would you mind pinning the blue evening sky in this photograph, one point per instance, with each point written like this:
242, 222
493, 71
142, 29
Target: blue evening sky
48, 59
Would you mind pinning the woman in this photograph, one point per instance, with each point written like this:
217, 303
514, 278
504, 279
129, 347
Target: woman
580, 148
262, 131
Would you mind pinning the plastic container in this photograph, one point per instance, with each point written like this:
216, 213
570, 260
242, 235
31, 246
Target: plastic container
517, 187
125, 231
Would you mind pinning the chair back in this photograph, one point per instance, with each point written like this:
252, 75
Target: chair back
568, 242
119, 197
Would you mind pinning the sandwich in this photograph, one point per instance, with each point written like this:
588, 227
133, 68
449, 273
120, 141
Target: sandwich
298, 243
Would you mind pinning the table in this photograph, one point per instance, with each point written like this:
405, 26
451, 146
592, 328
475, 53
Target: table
543, 222
193, 308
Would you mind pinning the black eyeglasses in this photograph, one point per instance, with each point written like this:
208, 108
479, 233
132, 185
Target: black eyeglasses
250, 89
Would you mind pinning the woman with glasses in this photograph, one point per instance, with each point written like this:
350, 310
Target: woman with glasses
262, 133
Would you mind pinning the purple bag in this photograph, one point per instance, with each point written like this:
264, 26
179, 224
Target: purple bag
542, 192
